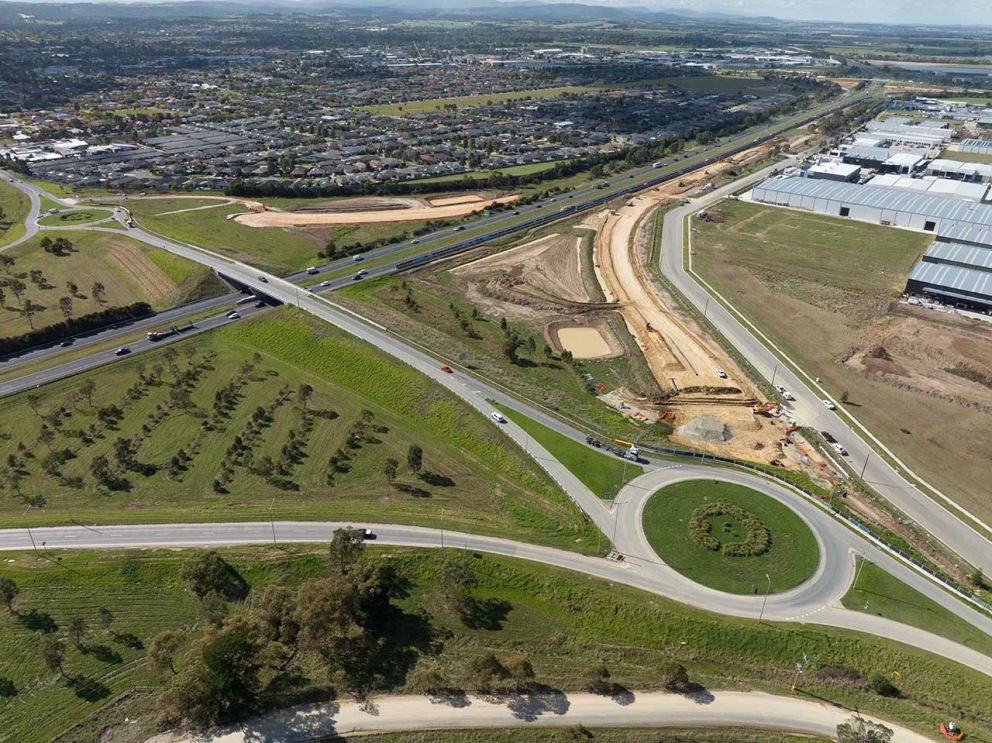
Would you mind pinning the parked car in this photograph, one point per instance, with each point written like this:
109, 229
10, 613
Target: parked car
721, 373
839, 449
780, 388
829, 405
788, 395
828, 437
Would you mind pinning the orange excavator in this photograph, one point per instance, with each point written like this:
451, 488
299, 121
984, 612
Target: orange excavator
951, 731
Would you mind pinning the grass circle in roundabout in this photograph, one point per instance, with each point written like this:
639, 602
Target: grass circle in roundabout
728, 537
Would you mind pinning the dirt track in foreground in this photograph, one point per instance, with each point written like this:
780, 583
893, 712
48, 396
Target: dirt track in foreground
412, 214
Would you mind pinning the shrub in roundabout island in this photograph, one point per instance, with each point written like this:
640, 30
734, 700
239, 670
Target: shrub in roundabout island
756, 542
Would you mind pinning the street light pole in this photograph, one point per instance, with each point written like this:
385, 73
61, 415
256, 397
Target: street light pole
774, 372
764, 601
865, 466
442, 527
616, 520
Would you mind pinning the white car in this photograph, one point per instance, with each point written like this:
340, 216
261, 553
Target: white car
839, 449
497, 416
325, 283
233, 315
829, 405
788, 395
780, 388
721, 373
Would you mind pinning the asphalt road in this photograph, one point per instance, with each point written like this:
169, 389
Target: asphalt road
933, 516
633, 709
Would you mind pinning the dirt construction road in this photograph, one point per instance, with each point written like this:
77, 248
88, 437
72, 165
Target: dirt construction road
308, 218
634, 709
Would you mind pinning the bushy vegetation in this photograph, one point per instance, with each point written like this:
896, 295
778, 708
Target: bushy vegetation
756, 540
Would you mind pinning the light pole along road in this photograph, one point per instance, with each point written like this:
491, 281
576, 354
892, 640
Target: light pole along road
937, 518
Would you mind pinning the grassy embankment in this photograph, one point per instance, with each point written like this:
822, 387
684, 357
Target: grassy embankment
604, 475
469, 469
429, 320
818, 285
14, 205
563, 621
790, 560
877, 592
129, 271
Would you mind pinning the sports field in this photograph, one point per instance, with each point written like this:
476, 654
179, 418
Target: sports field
790, 559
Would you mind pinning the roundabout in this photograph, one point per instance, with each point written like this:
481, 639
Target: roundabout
730, 537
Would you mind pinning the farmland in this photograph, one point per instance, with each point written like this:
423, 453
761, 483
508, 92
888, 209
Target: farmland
833, 284
790, 559
128, 272
563, 622
217, 428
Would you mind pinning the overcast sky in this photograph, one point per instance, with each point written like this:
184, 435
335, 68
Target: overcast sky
966, 12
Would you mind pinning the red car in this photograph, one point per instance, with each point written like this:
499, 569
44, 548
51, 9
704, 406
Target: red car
447, 369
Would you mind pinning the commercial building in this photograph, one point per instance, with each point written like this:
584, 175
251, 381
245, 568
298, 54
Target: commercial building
955, 273
931, 185
979, 146
971, 172
833, 170
876, 204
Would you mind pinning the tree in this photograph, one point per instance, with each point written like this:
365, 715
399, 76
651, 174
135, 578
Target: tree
455, 580
72, 287
207, 572
162, 651
8, 591
6, 262
881, 685
17, 287
98, 290
88, 388
674, 677
275, 612
510, 346
106, 619
53, 654
414, 458
597, 679
520, 668
844, 397
345, 548
7, 687
303, 394
65, 306
27, 309
327, 612
77, 630
859, 730
486, 669
389, 469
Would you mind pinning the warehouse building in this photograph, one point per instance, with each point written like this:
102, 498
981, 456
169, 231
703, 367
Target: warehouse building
931, 185
883, 159
832, 170
970, 172
954, 273
906, 133
876, 204
979, 146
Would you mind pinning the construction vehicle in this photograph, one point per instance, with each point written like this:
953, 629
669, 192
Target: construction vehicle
648, 327
951, 731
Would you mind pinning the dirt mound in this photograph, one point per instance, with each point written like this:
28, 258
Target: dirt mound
879, 352
705, 428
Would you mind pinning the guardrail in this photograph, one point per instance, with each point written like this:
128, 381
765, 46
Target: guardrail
950, 585
598, 200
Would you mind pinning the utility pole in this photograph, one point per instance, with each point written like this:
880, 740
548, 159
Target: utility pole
442, 527
764, 601
707, 307
774, 372
865, 466
800, 666
272, 521
616, 520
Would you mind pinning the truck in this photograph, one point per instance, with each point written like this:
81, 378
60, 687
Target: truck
157, 335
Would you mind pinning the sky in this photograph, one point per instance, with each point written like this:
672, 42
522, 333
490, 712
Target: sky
966, 12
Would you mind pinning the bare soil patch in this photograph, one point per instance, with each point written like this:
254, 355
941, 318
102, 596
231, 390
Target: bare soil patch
381, 213
462, 199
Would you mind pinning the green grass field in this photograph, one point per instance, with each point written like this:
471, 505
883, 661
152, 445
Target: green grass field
74, 217
470, 101
275, 249
877, 592
563, 621
790, 560
470, 470
602, 474
129, 271
537, 377
967, 157
15, 206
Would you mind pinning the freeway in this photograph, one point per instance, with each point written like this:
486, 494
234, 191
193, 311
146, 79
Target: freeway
386, 260
548, 709
933, 516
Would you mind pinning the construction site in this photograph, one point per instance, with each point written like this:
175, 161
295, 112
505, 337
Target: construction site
593, 292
